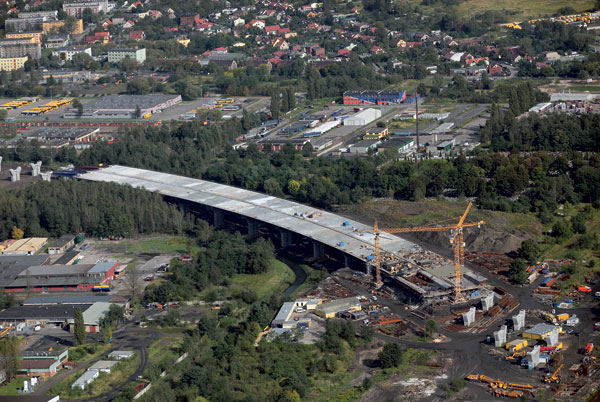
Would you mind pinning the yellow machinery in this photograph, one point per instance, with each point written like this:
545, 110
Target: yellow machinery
555, 377
456, 239
516, 355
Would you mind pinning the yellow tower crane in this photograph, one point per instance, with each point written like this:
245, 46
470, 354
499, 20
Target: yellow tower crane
456, 239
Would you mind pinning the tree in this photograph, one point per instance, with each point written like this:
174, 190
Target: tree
10, 352
275, 104
17, 233
391, 355
132, 279
138, 112
518, 271
79, 324
107, 333
366, 333
77, 105
291, 98
430, 328
529, 251
367, 383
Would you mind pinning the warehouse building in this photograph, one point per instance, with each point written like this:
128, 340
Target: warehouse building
384, 97
56, 137
539, 331
49, 278
283, 315
85, 379
76, 299
363, 117
42, 363
124, 106
364, 146
26, 246
62, 315
330, 309
375, 133
62, 244
403, 145
121, 354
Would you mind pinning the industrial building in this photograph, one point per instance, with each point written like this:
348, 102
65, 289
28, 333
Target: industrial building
124, 106
85, 379
62, 244
76, 299
330, 309
445, 145
62, 315
104, 366
121, 354
26, 246
375, 133
116, 55
48, 278
55, 137
283, 315
364, 146
539, 331
42, 363
384, 97
363, 117
322, 129
403, 145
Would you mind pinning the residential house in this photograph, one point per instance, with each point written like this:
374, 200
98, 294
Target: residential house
189, 20
137, 35
272, 29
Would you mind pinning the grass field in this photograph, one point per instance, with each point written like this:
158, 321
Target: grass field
169, 245
12, 388
279, 276
530, 8
584, 88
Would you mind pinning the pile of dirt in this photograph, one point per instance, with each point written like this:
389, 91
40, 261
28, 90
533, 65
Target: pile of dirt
484, 239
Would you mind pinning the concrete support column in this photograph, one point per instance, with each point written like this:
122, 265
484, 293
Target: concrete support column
368, 268
318, 249
286, 238
0, 163
218, 217
253, 226
346, 260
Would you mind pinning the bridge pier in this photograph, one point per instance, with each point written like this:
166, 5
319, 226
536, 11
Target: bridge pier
253, 226
286, 238
346, 260
318, 249
218, 217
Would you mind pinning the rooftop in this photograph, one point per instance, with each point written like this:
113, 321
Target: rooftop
59, 312
63, 240
103, 365
74, 299
541, 329
128, 101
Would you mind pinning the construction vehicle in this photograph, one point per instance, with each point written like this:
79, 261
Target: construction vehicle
507, 394
588, 349
555, 377
551, 349
456, 239
550, 318
480, 378
516, 355
521, 387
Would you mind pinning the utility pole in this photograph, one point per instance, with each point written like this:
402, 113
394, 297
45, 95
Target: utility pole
417, 114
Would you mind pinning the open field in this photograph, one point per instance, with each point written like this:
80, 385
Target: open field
531, 8
267, 283
12, 388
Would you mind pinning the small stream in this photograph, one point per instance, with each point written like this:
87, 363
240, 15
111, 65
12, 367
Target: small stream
298, 272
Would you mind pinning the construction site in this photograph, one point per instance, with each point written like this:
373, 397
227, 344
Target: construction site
508, 340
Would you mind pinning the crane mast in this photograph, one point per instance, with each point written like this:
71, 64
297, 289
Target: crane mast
456, 239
